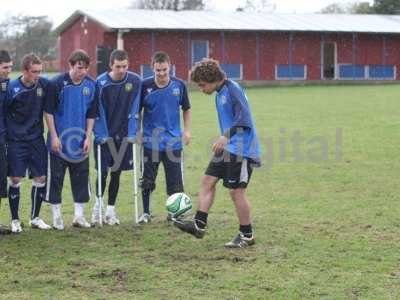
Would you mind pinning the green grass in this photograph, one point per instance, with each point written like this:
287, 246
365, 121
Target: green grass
325, 228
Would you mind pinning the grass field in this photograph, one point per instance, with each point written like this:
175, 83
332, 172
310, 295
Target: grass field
326, 214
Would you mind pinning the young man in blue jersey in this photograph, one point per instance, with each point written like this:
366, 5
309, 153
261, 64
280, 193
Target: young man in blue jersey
5, 70
118, 93
26, 147
162, 98
236, 152
70, 112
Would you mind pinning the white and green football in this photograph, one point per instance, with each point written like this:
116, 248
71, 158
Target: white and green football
178, 204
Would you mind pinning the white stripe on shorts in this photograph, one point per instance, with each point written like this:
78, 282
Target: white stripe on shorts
244, 175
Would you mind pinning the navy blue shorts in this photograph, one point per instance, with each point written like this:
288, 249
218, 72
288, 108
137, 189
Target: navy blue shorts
173, 167
27, 155
115, 156
235, 171
79, 177
3, 170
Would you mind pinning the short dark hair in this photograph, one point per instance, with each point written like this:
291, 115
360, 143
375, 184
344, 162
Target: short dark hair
4, 57
30, 59
79, 55
118, 55
208, 70
160, 57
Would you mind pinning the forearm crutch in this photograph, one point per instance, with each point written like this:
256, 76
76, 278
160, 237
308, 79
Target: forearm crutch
99, 186
135, 185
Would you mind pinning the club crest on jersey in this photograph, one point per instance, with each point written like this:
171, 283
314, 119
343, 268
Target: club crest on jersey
86, 91
16, 90
149, 90
39, 92
103, 82
176, 92
128, 87
4, 86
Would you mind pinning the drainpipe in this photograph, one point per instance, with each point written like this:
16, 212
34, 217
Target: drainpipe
120, 39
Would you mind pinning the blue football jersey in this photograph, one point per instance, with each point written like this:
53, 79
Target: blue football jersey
118, 107
161, 114
234, 111
3, 95
24, 109
71, 105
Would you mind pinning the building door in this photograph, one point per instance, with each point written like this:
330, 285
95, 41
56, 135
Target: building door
199, 50
103, 59
329, 60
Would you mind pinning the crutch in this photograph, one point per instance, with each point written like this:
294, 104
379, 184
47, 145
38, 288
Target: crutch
99, 190
135, 187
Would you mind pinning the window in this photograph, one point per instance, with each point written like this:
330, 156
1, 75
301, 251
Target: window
291, 72
352, 71
382, 72
199, 50
233, 71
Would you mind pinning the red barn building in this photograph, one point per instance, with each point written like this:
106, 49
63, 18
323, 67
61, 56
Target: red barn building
249, 46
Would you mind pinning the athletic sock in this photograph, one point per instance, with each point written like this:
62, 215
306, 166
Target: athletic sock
146, 201
38, 193
79, 208
201, 219
110, 210
56, 209
246, 230
13, 198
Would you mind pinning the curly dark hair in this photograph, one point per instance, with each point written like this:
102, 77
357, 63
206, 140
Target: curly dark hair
208, 70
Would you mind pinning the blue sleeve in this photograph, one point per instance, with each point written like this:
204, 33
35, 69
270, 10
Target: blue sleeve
93, 111
134, 114
241, 110
100, 129
142, 96
9, 97
185, 103
50, 104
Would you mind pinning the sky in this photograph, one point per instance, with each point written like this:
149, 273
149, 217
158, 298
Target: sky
58, 11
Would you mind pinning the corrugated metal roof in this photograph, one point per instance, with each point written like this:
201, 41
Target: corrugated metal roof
243, 21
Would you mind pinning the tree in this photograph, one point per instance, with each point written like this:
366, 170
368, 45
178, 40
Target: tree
24, 34
257, 6
334, 8
361, 8
169, 4
389, 7
348, 8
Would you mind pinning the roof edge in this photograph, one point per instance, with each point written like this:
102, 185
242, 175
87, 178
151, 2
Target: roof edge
72, 19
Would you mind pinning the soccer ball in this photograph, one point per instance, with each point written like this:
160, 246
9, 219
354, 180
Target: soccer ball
178, 204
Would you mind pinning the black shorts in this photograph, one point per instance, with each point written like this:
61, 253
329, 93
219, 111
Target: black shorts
173, 167
3, 170
115, 156
27, 155
79, 177
235, 171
